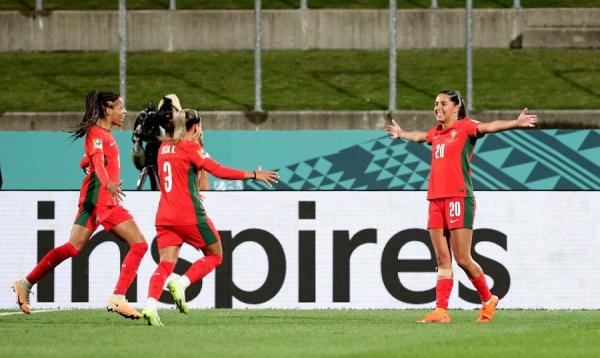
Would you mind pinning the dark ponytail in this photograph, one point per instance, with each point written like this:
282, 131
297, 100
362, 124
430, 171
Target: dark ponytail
96, 104
457, 99
191, 118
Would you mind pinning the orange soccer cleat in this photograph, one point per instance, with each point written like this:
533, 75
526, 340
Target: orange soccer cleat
22, 296
487, 310
438, 315
120, 305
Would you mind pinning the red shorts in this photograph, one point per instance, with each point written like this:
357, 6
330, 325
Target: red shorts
451, 213
108, 217
198, 236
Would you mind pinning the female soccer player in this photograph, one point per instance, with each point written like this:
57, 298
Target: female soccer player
99, 203
450, 195
181, 216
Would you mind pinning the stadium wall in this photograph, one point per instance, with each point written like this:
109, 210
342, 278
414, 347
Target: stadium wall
306, 120
297, 29
323, 250
329, 160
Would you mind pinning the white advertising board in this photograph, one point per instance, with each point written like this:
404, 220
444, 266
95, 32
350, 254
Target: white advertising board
351, 249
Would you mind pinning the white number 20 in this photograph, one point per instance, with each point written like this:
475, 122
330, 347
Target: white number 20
454, 208
439, 151
168, 176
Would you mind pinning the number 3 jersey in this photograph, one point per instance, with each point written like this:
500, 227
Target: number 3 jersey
178, 166
451, 152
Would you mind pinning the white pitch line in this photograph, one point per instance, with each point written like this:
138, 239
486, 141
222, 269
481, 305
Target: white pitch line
37, 311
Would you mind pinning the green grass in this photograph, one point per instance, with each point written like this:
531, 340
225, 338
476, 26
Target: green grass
304, 80
25, 5
301, 333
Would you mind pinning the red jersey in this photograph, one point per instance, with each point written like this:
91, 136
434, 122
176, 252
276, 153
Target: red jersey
452, 150
178, 166
100, 141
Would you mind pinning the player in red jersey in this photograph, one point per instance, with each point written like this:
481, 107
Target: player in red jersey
450, 195
181, 216
99, 204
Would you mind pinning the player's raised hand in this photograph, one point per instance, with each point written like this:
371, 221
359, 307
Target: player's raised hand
115, 190
268, 177
527, 120
394, 130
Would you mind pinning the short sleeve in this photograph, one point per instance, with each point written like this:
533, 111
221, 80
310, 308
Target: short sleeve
470, 127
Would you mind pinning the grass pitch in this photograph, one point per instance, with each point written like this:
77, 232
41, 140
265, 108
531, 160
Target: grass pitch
301, 333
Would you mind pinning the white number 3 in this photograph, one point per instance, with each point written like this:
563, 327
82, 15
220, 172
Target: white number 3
168, 176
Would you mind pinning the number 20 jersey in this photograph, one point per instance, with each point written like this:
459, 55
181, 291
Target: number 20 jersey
451, 152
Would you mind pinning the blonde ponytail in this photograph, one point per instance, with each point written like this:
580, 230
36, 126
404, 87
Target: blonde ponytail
180, 129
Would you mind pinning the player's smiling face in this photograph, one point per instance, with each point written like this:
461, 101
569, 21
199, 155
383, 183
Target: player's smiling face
117, 112
445, 110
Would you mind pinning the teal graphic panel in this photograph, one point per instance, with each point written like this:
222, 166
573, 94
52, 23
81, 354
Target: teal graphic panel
329, 160
515, 160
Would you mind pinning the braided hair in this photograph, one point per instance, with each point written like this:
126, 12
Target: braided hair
96, 104
457, 99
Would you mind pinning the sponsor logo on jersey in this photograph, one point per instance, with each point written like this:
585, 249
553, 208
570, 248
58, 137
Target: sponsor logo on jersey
97, 143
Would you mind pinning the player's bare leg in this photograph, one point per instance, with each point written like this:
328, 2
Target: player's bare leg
80, 235
168, 259
129, 232
461, 240
213, 254
441, 246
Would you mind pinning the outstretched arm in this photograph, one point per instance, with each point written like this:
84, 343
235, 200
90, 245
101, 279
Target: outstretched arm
396, 132
524, 121
216, 169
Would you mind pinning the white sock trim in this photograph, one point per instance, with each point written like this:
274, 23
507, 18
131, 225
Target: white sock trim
184, 281
443, 273
152, 304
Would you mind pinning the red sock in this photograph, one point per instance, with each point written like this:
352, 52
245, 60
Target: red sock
202, 267
160, 275
50, 261
130, 266
443, 288
482, 288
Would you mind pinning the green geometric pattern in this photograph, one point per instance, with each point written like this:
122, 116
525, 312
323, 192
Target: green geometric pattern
515, 160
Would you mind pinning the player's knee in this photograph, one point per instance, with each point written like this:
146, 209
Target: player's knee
139, 239
464, 261
443, 260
